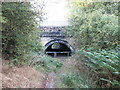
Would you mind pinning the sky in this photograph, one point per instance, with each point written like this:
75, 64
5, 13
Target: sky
56, 13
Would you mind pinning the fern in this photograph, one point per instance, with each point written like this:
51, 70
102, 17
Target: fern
103, 63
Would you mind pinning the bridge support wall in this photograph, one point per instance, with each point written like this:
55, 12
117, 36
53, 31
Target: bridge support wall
55, 33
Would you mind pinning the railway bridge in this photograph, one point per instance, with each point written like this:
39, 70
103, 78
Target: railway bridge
56, 42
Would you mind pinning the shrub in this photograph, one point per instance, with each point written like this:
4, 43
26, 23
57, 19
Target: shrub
19, 32
73, 80
105, 64
48, 63
94, 24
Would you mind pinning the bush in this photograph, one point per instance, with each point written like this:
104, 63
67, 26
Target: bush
105, 64
73, 80
19, 32
48, 63
94, 24
95, 28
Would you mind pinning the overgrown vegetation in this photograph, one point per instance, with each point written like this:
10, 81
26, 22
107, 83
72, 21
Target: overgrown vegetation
46, 62
94, 26
20, 36
73, 80
105, 64
19, 30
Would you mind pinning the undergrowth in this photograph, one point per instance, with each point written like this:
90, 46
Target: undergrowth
95, 69
39, 61
74, 80
46, 62
105, 63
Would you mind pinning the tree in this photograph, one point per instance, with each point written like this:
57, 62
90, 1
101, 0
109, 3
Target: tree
20, 32
94, 24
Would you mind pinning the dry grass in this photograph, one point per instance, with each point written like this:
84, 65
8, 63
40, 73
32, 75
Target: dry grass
20, 76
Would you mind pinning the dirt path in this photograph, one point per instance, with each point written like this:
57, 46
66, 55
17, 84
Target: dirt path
52, 80
67, 67
49, 81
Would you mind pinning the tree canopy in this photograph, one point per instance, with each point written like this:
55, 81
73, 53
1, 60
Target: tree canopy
94, 24
19, 29
95, 28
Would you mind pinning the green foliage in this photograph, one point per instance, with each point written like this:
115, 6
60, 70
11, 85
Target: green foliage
2, 19
48, 63
94, 25
19, 32
72, 80
56, 46
105, 63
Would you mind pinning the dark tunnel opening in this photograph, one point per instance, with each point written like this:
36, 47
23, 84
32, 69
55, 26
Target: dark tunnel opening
58, 48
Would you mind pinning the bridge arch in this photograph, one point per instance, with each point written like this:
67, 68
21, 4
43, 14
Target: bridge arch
62, 48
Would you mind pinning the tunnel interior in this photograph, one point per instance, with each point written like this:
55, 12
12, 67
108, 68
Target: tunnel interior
58, 48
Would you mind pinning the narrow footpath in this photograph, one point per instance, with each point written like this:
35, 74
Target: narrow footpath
52, 80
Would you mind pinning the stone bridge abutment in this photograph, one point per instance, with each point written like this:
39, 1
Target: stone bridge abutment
56, 42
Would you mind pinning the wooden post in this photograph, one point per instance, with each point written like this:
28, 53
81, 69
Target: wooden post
68, 54
55, 54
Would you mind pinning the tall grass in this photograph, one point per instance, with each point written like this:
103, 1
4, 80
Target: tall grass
105, 63
42, 61
74, 80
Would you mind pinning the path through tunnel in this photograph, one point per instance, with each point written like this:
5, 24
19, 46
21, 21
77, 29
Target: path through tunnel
58, 48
